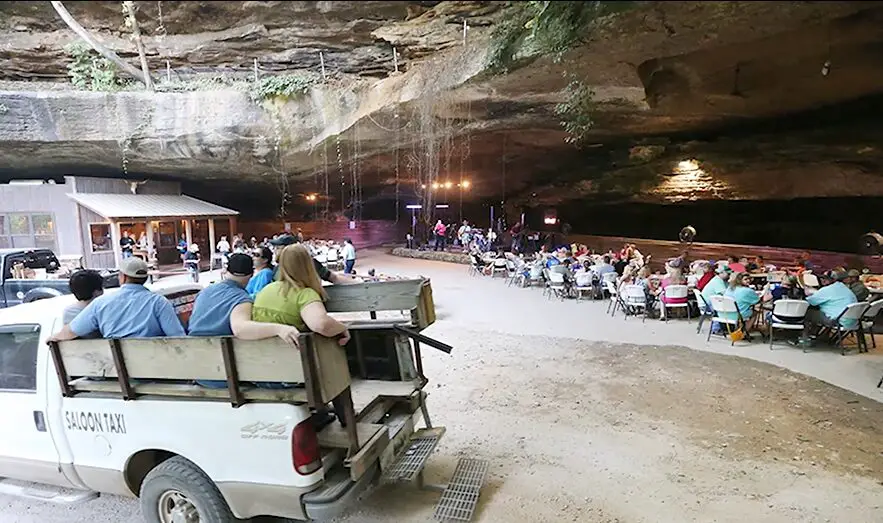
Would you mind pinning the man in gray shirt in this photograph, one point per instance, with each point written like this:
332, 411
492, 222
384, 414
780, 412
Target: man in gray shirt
85, 285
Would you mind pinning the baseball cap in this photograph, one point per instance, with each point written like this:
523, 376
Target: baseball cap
722, 269
285, 239
134, 267
240, 265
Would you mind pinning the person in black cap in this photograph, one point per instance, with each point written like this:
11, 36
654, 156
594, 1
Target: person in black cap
224, 308
337, 278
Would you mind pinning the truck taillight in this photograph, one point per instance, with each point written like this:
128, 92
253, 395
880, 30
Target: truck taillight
305, 455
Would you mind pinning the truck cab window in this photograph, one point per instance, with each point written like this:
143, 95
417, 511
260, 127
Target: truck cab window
18, 356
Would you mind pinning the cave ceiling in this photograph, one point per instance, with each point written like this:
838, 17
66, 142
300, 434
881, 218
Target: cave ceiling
694, 100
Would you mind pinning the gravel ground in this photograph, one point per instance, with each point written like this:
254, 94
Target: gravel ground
592, 419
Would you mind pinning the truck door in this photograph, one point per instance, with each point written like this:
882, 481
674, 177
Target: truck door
27, 451
13, 289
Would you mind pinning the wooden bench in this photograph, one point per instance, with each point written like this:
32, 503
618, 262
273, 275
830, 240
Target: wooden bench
414, 296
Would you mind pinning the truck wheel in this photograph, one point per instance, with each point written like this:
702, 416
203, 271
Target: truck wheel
177, 491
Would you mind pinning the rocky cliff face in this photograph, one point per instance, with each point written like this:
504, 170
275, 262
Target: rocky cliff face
692, 101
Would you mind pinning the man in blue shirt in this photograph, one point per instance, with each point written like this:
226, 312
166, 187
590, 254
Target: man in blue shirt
224, 308
831, 301
131, 312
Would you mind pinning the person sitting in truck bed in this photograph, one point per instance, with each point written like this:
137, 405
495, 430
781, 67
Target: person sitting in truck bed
225, 308
296, 297
85, 285
131, 312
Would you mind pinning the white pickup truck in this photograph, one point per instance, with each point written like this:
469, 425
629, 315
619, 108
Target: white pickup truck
125, 416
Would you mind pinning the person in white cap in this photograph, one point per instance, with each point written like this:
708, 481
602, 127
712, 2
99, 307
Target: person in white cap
191, 262
131, 312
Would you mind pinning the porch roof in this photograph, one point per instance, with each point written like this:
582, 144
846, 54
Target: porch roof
116, 206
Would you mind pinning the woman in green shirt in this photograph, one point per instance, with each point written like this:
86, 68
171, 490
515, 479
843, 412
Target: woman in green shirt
296, 298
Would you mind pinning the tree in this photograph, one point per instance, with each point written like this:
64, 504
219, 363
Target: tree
129, 10
100, 48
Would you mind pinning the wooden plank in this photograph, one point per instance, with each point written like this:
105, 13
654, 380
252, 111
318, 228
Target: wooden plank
335, 436
366, 391
393, 295
368, 454
332, 367
188, 358
192, 391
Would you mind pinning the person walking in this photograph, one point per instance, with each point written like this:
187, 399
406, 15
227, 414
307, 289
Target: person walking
126, 245
191, 262
349, 256
440, 231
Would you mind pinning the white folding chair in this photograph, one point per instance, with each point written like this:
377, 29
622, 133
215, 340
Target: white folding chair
867, 323
499, 267
810, 280
725, 305
557, 286
633, 300
675, 292
333, 258
703, 309
852, 313
787, 315
583, 283
614, 298
511, 271
321, 258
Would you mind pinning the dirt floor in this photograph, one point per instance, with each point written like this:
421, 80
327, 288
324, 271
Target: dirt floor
579, 428
599, 432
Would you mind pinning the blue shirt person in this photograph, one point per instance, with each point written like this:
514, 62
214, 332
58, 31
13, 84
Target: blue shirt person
132, 312
832, 300
224, 309
745, 298
263, 259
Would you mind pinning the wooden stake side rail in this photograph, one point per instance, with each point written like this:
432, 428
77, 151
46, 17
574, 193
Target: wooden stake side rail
320, 365
414, 296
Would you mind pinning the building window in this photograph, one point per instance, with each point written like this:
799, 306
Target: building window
27, 231
18, 357
100, 237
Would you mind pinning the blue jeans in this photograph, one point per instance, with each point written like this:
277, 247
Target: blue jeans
127, 254
348, 266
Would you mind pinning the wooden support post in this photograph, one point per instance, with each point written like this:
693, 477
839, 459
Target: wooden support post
63, 378
236, 398
188, 232
151, 245
233, 230
211, 243
115, 243
119, 362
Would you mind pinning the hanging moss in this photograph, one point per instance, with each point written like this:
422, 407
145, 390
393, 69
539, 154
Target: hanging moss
544, 28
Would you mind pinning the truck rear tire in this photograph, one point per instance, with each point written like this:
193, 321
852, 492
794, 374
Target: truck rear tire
177, 490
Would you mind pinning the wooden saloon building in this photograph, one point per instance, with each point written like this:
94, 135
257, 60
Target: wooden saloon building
85, 218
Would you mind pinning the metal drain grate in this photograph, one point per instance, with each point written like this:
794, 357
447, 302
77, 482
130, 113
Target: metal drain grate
460, 498
412, 460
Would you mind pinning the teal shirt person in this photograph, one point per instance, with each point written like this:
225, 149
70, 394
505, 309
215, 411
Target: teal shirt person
832, 300
745, 298
260, 280
715, 287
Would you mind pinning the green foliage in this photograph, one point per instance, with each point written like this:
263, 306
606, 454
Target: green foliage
284, 86
89, 70
576, 111
540, 28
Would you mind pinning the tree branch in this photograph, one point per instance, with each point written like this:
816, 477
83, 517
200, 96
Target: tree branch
98, 46
129, 7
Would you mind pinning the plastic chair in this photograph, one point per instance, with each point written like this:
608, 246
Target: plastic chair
867, 322
333, 258
500, 266
854, 312
726, 305
703, 309
792, 309
614, 298
557, 286
810, 280
633, 300
675, 292
583, 284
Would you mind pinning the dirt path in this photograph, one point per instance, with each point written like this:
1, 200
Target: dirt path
597, 432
